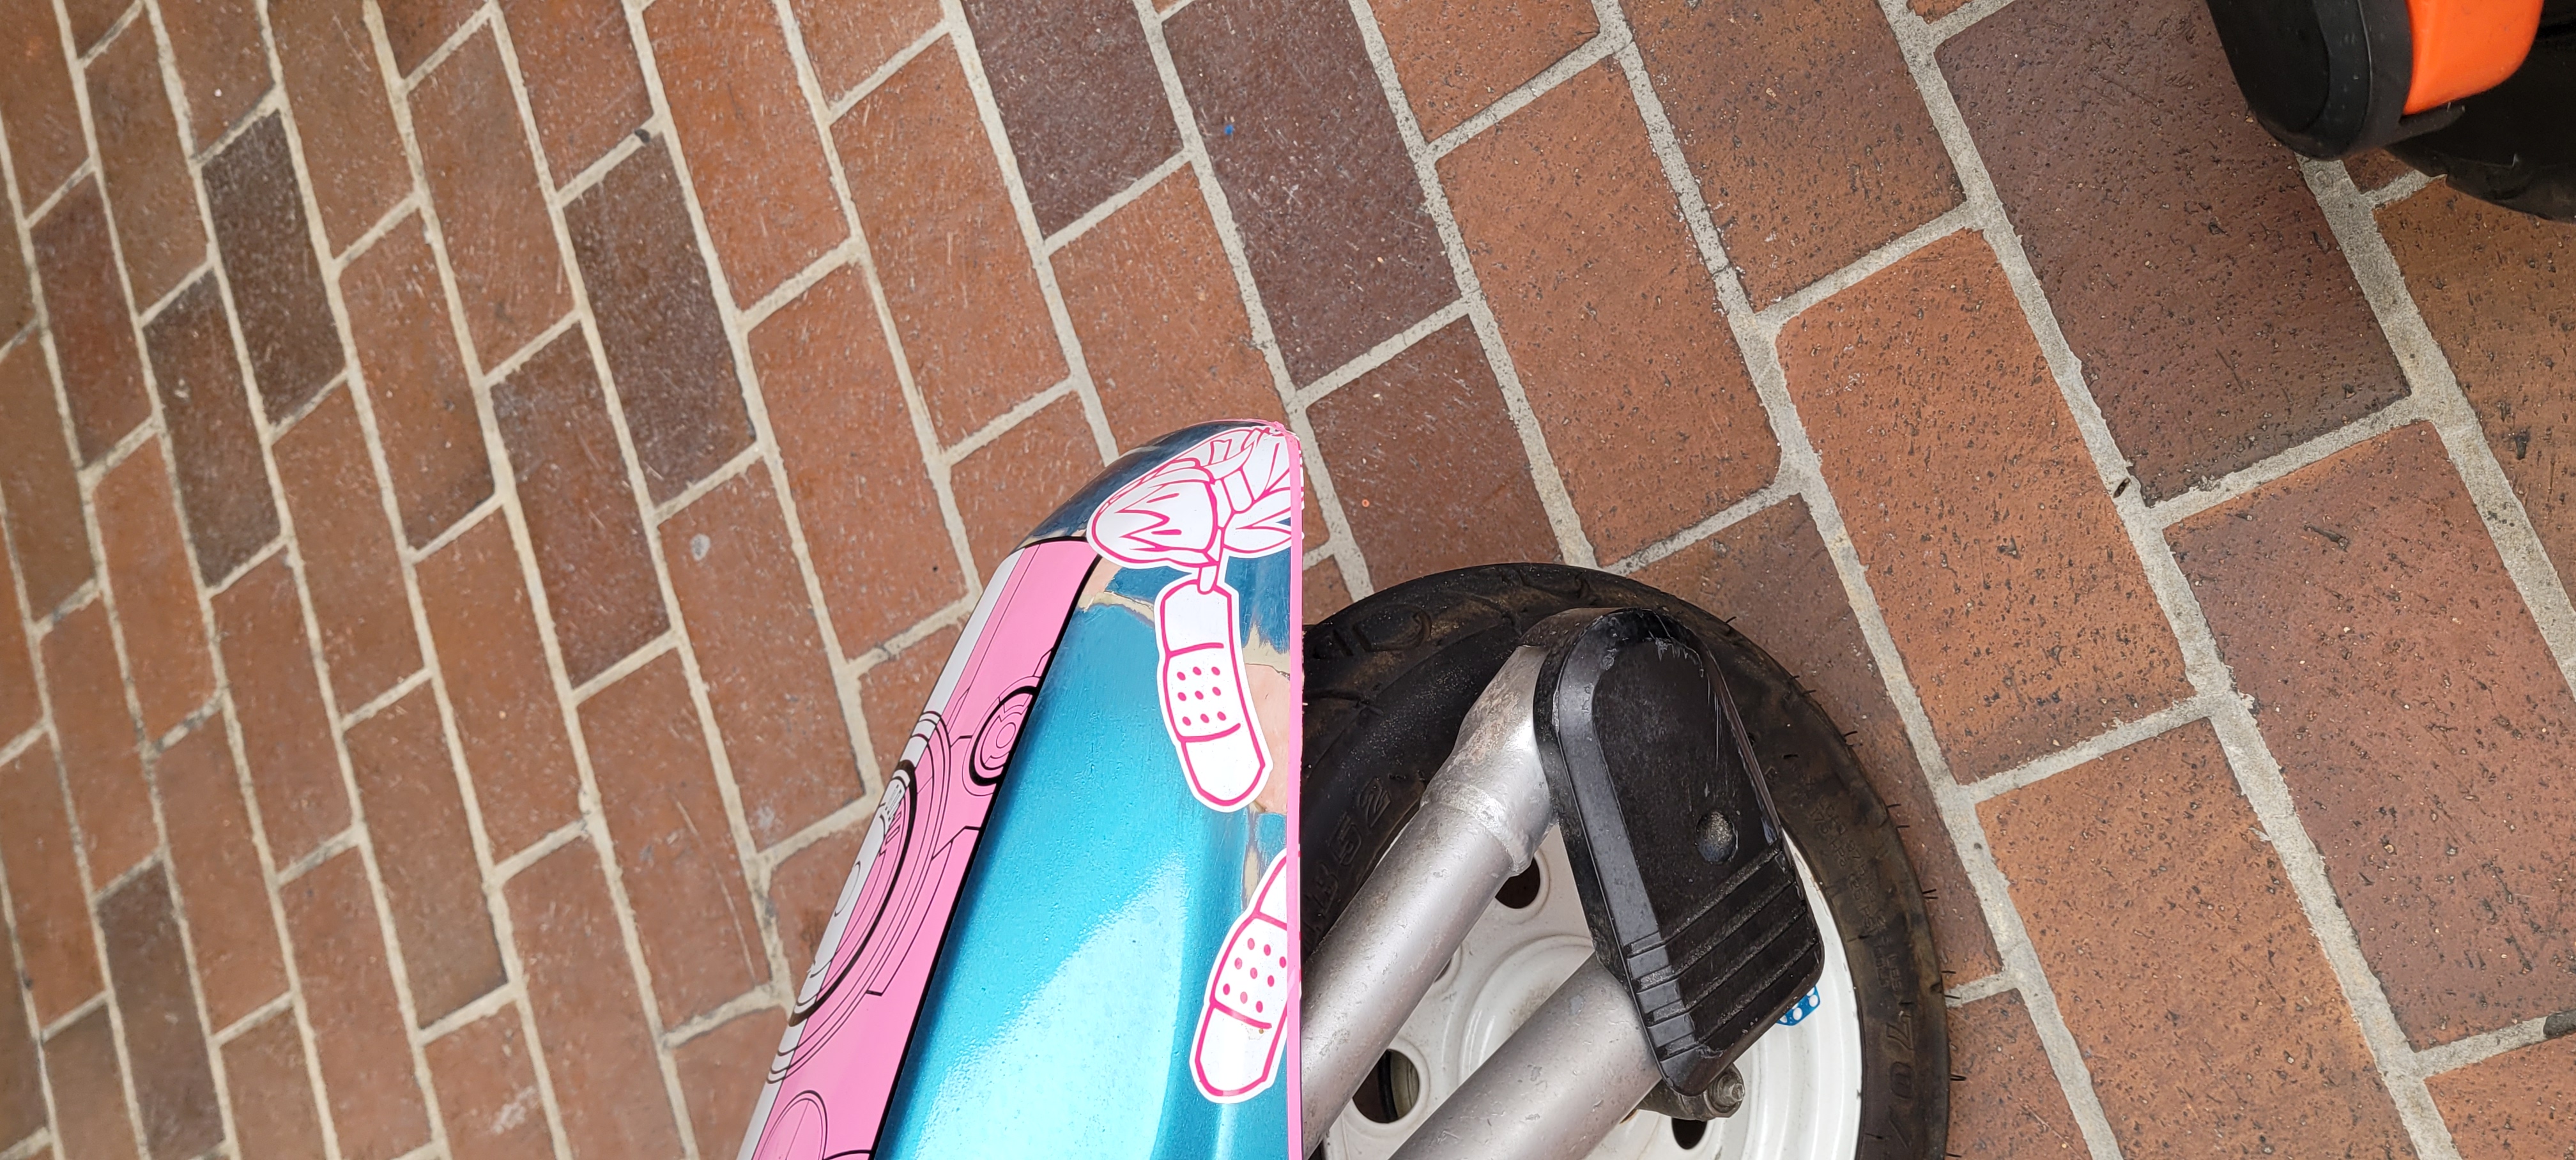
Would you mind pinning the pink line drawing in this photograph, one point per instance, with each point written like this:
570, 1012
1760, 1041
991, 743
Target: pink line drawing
1249, 992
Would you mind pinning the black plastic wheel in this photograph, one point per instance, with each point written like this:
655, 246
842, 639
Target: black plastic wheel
1389, 678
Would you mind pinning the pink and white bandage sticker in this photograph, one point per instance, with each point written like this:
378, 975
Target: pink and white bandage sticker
1236, 1054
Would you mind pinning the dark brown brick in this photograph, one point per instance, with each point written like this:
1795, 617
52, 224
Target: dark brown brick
272, 1092
96, 730
893, 695
156, 598
1805, 130
286, 324
51, 904
222, 63
425, 855
1770, 576
491, 210
849, 42
947, 245
1011, 483
214, 442
487, 1091
2190, 269
761, 656
2417, 716
805, 886
2513, 1106
174, 1082
351, 567
588, 1012
36, 100
676, 856
93, 335
39, 493
722, 1071
2005, 1103
342, 116
21, 706
91, 20
1326, 591
507, 719
852, 462
1079, 98
90, 1118
1427, 466
22, 1077
277, 699
1609, 316
215, 863
1333, 221
2008, 583
2375, 168
416, 383
415, 28
2163, 916
17, 288
580, 509
584, 84
1455, 57
144, 166
658, 323
754, 157
376, 1106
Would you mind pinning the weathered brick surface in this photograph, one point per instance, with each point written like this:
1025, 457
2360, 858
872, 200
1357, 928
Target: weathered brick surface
90, 1116
805, 886
277, 699
648, 754
21, 706
174, 1080
377, 1111
39, 494
588, 1012
85, 308
658, 323
721, 1073
2004, 1101
91, 21
1079, 98
276, 284
17, 287
2375, 168
761, 656
96, 728
36, 101
215, 865
583, 82
272, 1092
214, 442
487, 1090
342, 115
1294, 121
45, 889
148, 576
1326, 591
947, 246
2189, 267
1455, 57
425, 855
1010, 484
416, 383
2512, 1106
893, 695
493, 667
351, 570
2007, 582
2162, 915
22, 1080
2418, 717
491, 211
143, 165
415, 28
849, 42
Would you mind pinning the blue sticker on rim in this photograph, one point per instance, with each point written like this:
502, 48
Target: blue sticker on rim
1805, 1006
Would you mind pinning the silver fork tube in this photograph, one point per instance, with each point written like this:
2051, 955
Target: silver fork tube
1480, 822
1553, 1089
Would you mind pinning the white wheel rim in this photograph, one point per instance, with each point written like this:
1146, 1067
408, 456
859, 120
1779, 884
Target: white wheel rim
1801, 1082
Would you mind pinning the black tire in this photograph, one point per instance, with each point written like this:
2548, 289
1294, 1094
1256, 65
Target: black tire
1389, 678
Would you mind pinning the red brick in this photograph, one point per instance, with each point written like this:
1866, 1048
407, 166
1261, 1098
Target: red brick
2189, 267
893, 695
376, 1106
39, 492
1079, 99
805, 887
850, 42
1427, 466
2163, 916
584, 85
92, 19
22, 1077
144, 166
722, 1072
36, 100
1609, 315
1771, 578
675, 854
754, 157
1011, 483
90, 1117
416, 383
588, 1013
285, 311
156, 598
659, 326
51, 904
93, 335
425, 855
491, 211
174, 1081
221, 60
17, 289
416, 28
2514, 1106
2009, 586
761, 656
350, 563
1294, 121
354, 154
2004, 1100
580, 509
216, 865
21, 707
1455, 57
1326, 591
214, 442
872, 524
2419, 720
947, 245
96, 730
2374, 168
277, 699
272, 1092
487, 1091
507, 720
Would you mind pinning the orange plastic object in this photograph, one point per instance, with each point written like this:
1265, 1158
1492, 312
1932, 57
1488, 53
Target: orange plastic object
2466, 46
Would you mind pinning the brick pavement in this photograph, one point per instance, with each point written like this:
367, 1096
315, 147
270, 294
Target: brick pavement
486, 485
